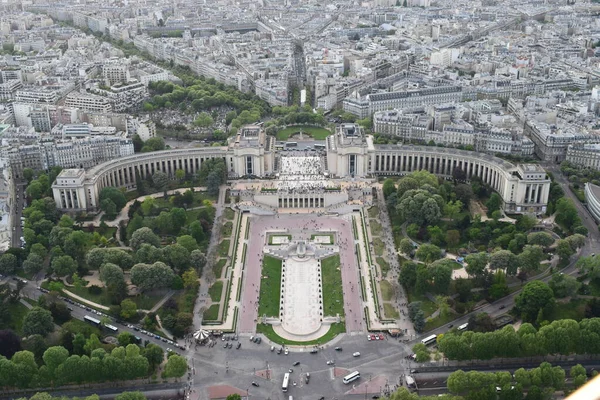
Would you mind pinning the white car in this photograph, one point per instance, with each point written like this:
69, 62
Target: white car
368, 337
286, 351
356, 354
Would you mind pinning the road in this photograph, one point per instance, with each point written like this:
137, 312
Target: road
18, 213
79, 311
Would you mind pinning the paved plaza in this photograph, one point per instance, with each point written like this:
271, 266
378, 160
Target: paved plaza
301, 296
301, 226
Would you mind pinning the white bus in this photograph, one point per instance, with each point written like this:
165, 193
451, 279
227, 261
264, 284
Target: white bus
319, 146
463, 327
91, 320
111, 328
286, 381
351, 377
429, 340
291, 144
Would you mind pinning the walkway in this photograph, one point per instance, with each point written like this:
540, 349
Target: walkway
85, 301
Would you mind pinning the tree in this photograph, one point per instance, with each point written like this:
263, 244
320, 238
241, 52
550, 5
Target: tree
213, 181
566, 213
55, 356
33, 264
564, 249
464, 193
428, 252
543, 239
154, 354
388, 187
453, 238
441, 273
37, 322
64, 265
476, 263
504, 260
458, 174
115, 195
143, 235
421, 352
576, 241
190, 278
494, 203
204, 120
564, 285
177, 256
8, 264
112, 275
197, 231
154, 144
408, 275
125, 338
152, 276
420, 207
234, 396
10, 343
160, 180
406, 246
452, 208
128, 309
176, 366
535, 296
130, 396
530, 258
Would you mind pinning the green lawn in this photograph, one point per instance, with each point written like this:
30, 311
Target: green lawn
376, 228
229, 214
146, 301
373, 212
427, 305
211, 314
218, 268
227, 229
333, 296
575, 309
16, 313
96, 298
270, 287
223, 248
330, 235
390, 311
384, 265
215, 291
333, 331
439, 321
387, 291
378, 246
316, 132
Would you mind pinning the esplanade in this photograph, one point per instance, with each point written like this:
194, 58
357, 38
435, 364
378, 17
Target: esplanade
348, 154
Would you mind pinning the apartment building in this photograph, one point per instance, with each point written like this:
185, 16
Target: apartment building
552, 141
115, 73
585, 155
88, 102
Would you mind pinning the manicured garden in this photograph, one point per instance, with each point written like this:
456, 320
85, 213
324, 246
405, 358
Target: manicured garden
215, 291
270, 287
334, 330
333, 296
211, 314
314, 131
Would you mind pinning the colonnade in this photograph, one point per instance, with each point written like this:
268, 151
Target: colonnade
307, 201
395, 163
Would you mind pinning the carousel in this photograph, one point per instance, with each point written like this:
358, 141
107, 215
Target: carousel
201, 336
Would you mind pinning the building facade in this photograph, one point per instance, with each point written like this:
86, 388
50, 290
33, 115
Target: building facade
523, 188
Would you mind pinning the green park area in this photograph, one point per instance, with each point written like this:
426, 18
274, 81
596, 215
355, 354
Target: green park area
314, 131
270, 287
334, 330
333, 295
215, 291
212, 313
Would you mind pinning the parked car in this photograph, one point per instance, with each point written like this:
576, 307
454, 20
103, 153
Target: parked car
356, 354
338, 348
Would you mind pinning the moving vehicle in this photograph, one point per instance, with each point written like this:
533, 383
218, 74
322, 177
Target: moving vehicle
111, 328
463, 326
296, 363
429, 340
356, 354
307, 378
351, 377
338, 349
255, 384
286, 381
291, 144
91, 320
238, 345
286, 351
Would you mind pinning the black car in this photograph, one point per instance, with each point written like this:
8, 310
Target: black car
238, 346
255, 384
314, 351
296, 363
502, 307
338, 349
